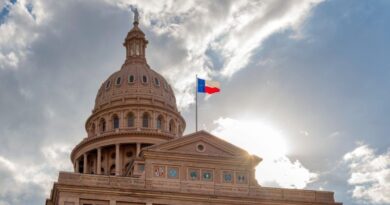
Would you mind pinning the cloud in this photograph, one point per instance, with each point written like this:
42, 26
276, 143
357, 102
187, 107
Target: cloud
19, 177
369, 174
264, 140
201, 32
217, 38
20, 28
53, 54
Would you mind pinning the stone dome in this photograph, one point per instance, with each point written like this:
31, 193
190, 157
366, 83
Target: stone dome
134, 108
136, 80
135, 87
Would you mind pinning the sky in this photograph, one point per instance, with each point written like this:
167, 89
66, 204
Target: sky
304, 85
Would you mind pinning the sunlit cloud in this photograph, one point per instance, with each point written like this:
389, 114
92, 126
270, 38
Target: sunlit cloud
268, 142
369, 174
232, 30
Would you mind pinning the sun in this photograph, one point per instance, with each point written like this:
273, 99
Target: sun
257, 136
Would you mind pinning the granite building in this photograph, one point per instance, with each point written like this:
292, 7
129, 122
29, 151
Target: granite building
135, 152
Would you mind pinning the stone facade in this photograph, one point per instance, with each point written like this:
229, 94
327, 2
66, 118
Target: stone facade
135, 153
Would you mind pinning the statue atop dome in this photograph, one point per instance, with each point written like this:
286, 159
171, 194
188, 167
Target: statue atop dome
136, 15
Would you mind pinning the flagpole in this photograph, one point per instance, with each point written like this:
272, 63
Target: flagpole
196, 103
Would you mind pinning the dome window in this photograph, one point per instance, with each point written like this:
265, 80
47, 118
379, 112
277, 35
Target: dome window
118, 81
130, 120
93, 131
108, 84
159, 122
156, 82
145, 120
172, 126
102, 125
144, 79
165, 86
115, 120
131, 78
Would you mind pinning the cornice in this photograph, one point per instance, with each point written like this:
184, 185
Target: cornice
112, 135
185, 157
143, 192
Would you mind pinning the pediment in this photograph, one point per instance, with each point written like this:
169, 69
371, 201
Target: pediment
201, 143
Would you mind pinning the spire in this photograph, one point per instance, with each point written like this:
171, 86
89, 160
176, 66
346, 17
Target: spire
135, 41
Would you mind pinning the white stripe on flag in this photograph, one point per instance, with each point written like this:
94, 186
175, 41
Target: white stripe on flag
213, 84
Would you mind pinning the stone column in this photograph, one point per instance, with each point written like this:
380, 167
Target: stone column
99, 161
77, 168
85, 163
117, 160
138, 149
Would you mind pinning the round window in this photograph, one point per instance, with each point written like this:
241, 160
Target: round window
200, 148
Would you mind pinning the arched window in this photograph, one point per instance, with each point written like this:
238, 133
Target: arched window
131, 78
145, 120
171, 126
115, 121
132, 49
118, 81
156, 82
159, 122
102, 125
93, 129
137, 49
144, 79
130, 120
108, 84
165, 86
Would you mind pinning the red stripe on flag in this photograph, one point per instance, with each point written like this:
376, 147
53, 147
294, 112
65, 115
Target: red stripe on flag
211, 90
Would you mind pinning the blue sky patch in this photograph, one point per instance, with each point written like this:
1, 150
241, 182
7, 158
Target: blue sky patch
5, 11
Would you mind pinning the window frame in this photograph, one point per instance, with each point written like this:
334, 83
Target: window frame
108, 84
145, 77
128, 79
120, 81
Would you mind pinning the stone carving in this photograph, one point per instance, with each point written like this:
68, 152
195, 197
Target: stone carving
173, 172
207, 175
159, 171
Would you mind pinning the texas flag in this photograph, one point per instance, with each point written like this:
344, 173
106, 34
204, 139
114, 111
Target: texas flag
207, 86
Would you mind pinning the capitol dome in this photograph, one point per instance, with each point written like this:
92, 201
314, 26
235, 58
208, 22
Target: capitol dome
135, 107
